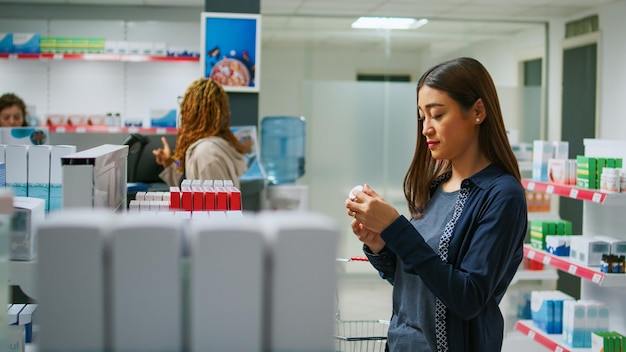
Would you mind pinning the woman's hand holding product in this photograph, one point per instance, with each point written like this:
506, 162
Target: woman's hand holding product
372, 214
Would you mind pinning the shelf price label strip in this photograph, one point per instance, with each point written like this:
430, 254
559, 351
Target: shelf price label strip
565, 191
539, 337
563, 264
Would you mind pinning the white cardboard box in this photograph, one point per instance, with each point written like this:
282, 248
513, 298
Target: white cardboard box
17, 168
28, 213
38, 185
56, 175
72, 249
147, 295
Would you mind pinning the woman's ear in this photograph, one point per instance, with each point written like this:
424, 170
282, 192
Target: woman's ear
478, 111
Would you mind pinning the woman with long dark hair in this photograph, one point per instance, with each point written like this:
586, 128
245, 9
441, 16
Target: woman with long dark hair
451, 263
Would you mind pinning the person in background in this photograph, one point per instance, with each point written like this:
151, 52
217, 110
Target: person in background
206, 149
451, 263
12, 111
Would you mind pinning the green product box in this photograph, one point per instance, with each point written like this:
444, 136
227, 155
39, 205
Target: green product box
539, 229
601, 163
63, 45
78, 45
95, 45
586, 172
567, 227
47, 44
610, 162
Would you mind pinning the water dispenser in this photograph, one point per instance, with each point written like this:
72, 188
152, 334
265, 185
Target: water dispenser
282, 157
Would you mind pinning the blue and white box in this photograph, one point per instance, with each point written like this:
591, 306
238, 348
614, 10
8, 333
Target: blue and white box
28, 318
574, 318
6, 43
163, 118
558, 245
56, 175
542, 152
38, 185
17, 169
26, 43
24, 135
546, 308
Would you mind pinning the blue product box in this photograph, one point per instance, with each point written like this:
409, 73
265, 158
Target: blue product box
558, 245
6, 42
26, 43
163, 118
3, 174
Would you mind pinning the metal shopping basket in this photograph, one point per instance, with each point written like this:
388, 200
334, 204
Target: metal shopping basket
360, 335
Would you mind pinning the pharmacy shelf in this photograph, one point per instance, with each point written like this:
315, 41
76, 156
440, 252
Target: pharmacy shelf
591, 195
565, 264
110, 129
100, 57
528, 275
553, 342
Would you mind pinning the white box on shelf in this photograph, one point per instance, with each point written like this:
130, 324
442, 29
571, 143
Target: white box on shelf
147, 296
235, 295
28, 213
56, 175
24, 135
561, 150
17, 169
588, 250
72, 281
95, 178
293, 278
574, 320
617, 246
38, 185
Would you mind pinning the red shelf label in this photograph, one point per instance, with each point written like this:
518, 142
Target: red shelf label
591, 195
564, 264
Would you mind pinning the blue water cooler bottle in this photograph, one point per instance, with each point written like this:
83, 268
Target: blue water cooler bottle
282, 157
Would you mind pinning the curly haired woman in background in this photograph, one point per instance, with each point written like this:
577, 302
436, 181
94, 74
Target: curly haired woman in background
206, 149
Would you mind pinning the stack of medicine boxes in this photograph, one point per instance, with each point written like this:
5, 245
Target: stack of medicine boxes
589, 170
552, 236
580, 319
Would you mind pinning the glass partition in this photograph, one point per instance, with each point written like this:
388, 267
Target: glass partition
362, 131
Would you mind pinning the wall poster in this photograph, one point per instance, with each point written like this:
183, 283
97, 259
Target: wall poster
230, 50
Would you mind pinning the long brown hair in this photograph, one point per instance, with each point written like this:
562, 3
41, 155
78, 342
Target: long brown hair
204, 112
465, 80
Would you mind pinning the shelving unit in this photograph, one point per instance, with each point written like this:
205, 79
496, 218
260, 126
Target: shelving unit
100, 57
565, 264
603, 214
111, 129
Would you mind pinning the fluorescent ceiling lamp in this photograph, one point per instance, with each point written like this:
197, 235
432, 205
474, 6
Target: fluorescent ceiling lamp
388, 23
